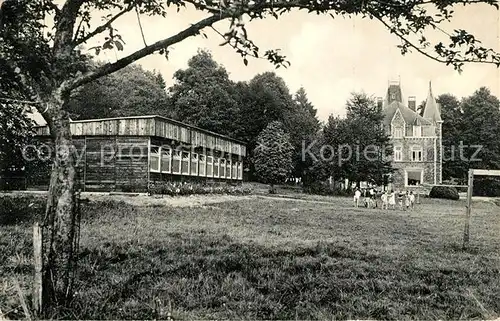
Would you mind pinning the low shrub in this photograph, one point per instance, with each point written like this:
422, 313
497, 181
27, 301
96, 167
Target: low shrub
444, 192
174, 189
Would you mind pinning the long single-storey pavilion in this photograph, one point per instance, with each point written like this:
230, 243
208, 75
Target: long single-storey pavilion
129, 153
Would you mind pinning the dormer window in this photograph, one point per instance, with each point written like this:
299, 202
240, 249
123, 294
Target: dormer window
398, 132
393, 96
417, 131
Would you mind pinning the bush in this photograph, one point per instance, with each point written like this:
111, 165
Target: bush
486, 187
444, 192
174, 188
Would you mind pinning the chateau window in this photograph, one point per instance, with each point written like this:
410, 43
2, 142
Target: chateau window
154, 159
166, 156
414, 177
176, 162
202, 161
398, 132
398, 153
417, 131
185, 163
416, 154
194, 164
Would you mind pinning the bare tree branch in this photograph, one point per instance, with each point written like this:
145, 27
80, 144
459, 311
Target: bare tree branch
112, 67
140, 26
228, 13
54, 7
102, 27
423, 52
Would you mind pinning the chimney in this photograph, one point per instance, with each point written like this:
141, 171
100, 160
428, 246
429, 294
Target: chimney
412, 103
379, 102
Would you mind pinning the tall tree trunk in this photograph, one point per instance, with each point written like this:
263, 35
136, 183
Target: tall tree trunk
59, 228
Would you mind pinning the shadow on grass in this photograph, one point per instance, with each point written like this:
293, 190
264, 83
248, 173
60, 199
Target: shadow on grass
211, 277
22, 209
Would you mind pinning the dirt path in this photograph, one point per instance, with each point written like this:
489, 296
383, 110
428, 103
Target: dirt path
177, 201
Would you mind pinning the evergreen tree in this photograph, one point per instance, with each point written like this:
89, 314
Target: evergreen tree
273, 155
303, 126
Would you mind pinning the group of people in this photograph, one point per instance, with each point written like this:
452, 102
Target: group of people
405, 200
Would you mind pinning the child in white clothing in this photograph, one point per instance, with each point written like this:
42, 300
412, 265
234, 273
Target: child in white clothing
357, 196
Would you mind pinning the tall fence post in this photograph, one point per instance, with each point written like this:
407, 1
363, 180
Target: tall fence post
37, 284
465, 244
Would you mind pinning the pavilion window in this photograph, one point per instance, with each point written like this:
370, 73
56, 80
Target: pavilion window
228, 168
194, 164
210, 166
234, 172
185, 163
216, 167
202, 163
222, 168
166, 160
154, 158
176, 162
240, 170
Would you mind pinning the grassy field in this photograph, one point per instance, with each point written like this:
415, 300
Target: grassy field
263, 258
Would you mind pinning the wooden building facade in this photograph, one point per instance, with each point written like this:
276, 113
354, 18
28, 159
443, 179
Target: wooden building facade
130, 153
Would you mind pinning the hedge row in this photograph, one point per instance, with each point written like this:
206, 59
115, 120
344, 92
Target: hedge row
174, 189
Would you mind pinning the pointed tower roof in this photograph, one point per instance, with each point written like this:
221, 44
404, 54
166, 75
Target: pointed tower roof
431, 109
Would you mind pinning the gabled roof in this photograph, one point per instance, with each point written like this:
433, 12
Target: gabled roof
409, 115
432, 110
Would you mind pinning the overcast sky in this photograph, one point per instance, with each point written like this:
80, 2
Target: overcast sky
330, 57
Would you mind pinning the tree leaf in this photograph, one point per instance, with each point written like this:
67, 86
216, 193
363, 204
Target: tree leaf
118, 45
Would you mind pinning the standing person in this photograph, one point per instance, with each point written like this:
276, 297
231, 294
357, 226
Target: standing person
407, 200
385, 200
412, 200
400, 200
357, 196
373, 201
392, 200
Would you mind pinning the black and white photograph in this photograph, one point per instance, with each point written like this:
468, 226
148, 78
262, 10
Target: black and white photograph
249, 160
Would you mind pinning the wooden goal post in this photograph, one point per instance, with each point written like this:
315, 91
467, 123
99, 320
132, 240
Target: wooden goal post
472, 173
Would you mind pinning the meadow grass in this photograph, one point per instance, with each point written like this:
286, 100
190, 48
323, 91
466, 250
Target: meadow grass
271, 258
